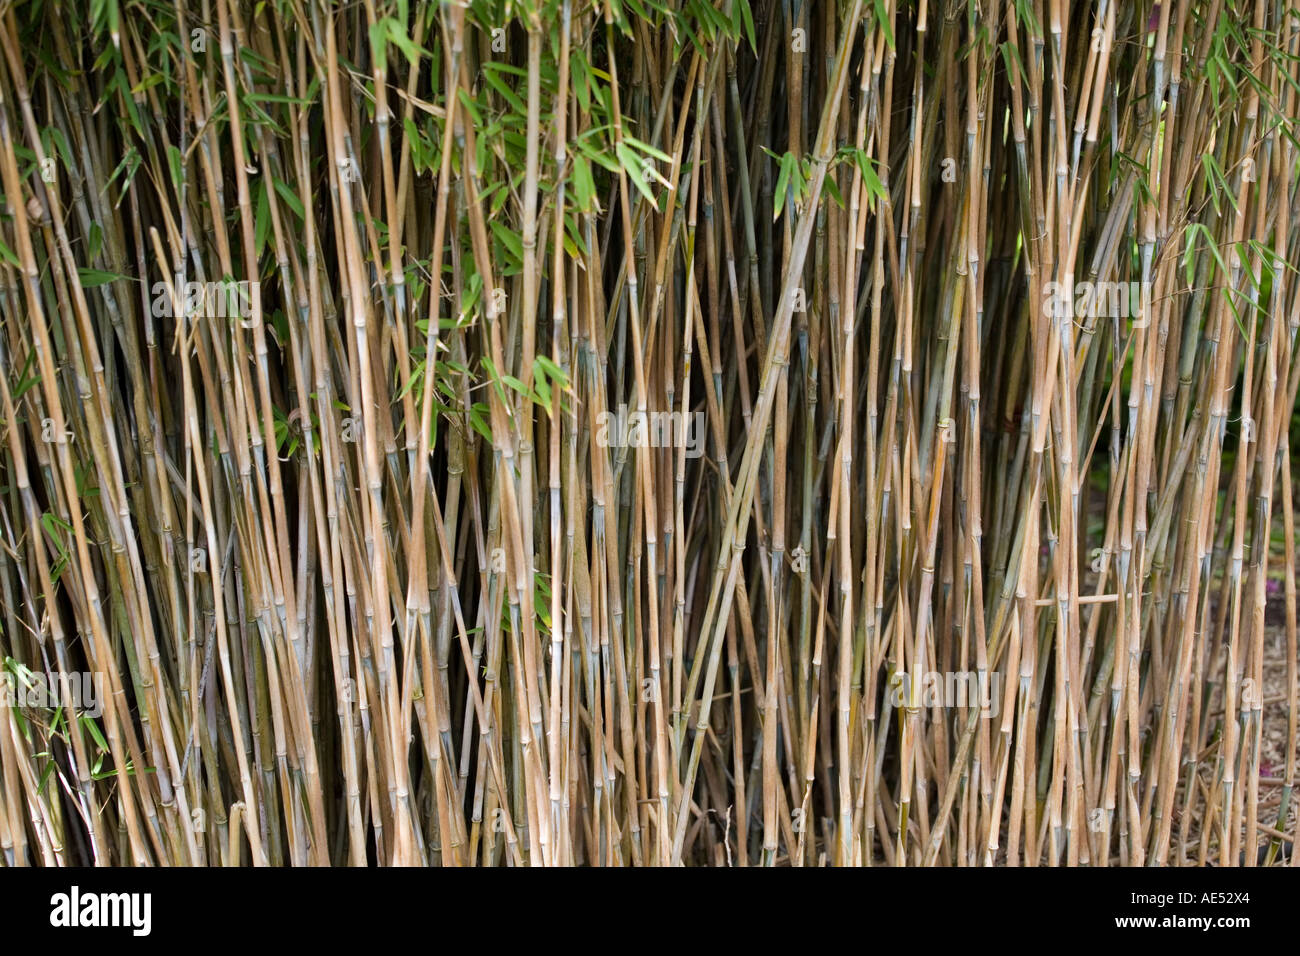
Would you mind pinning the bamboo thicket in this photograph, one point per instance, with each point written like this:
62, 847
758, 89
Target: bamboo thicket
619, 427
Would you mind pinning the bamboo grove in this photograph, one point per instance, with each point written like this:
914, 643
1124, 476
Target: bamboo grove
368, 578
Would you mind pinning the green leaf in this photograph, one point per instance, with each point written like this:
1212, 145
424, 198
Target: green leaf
513, 242
552, 371
491, 73
277, 98
470, 106
596, 156
95, 732
632, 164
261, 220
397, 36
782, 185
92, 278
378, 43
1015, 68
177, 163
882, 17
829, 187
584, 187
477, 421
285, 193
747, 17
647, 149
